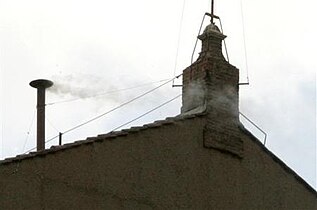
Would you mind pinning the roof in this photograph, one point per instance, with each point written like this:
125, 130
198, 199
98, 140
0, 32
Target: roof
103, 137
277, 160
168, 121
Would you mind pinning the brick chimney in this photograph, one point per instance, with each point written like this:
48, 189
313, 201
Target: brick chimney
212, 83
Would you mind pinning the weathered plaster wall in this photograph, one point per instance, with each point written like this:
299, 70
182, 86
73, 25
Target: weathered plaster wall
159, 168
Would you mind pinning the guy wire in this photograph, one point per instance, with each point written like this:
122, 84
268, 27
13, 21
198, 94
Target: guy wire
178, 41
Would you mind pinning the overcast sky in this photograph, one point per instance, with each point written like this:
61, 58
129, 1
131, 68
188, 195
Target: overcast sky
94, 46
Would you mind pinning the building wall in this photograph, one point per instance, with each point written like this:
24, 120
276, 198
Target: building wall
158, 168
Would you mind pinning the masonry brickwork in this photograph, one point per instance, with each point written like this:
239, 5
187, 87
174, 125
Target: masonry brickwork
213, 82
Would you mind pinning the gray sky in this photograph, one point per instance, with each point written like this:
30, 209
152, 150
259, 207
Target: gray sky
99, 46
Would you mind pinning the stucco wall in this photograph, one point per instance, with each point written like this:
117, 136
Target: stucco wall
157, 168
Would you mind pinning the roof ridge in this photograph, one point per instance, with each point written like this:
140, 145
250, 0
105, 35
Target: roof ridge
277, 159
103, 137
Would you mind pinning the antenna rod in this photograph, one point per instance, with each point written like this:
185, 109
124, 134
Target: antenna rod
212, 11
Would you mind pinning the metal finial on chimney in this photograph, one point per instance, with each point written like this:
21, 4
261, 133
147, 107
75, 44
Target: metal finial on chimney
41, 85
212, 11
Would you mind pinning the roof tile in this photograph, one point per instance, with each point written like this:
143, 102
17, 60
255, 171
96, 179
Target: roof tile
102, 137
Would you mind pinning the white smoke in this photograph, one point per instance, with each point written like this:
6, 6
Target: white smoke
83, 86
226, 98
194, 96
222, 99
101, 91
79, 85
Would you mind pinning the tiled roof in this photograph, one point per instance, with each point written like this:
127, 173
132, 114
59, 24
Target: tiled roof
102, 137
156, 124
277, 160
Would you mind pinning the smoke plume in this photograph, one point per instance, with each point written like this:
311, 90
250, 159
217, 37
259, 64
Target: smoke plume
82, 86
194, 96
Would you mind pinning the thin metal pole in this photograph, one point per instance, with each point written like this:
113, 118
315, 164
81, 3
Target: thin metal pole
201, 25
224, 41
212, 11
265, 135
60, 138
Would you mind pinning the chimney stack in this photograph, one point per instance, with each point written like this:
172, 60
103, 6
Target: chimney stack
212, 83
41, 85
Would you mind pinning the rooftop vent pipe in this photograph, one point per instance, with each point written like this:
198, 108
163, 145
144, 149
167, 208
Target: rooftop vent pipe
41, 85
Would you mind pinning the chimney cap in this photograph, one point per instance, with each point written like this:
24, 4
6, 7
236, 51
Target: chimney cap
212, 28
212, 31
41, 83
